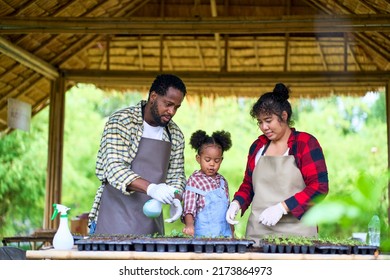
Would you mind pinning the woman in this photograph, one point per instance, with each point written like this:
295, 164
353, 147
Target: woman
285, 173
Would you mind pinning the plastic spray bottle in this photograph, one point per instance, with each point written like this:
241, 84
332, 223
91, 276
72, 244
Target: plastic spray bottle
63, 239
152, 208
374, 231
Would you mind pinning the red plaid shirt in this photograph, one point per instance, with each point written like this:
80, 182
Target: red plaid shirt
192, 202
310, 161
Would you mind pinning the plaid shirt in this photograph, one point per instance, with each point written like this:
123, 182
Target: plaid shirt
118, 148
193, 202
310, 161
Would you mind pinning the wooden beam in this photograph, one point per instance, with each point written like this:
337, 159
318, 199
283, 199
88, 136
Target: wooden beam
256, 50
55, 151
286, 64
168, 55
350, 50
322, 55
240, 79
213, 6
140, 56
345, 52
108, 40
161, 54
206, 25
27, 59
387, 100
199, 51
380, 50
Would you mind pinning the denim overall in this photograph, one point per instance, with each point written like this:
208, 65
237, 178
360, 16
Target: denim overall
211, 220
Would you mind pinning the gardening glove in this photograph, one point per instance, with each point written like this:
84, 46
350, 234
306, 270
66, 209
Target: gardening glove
232, 212
272, 215
175, 211
161, 192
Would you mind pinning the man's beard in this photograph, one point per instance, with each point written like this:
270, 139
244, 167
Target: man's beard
156, 116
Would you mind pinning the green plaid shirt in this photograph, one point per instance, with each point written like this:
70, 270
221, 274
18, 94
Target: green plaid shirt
119, 145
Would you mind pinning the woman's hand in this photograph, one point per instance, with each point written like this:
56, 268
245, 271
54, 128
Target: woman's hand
272, 215
232, 212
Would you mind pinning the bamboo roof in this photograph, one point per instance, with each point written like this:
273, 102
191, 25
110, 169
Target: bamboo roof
218, 47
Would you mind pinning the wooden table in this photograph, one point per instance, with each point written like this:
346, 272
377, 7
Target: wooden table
34, 242
74, 254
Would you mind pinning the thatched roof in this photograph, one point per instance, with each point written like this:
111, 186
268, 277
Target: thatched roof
230, 47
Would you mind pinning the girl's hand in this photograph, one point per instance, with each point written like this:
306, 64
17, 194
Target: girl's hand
189, 230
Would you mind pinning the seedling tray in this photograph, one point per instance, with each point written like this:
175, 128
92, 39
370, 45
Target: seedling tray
148, 244
319, 249
310, 245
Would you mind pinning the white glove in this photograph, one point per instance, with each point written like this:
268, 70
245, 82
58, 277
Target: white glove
232, 212
175, 211
161, 192
272, 215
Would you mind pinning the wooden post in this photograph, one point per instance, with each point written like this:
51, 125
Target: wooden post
55, 151
387, 96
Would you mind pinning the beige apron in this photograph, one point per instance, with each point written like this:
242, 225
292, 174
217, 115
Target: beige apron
122, 214
276, 178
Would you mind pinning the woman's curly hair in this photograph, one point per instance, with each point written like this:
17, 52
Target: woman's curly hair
274, 102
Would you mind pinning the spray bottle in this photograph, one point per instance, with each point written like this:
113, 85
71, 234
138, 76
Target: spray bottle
152, 208
63, 239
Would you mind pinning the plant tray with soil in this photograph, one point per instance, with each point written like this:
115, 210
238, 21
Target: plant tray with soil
163, 244
305, 245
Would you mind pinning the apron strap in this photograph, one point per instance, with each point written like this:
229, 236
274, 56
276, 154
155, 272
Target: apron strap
200, 192
195, 190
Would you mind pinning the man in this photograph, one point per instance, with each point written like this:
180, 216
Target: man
141, 156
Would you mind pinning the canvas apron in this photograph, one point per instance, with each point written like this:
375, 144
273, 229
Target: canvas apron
123, 214
211, 221
276, 178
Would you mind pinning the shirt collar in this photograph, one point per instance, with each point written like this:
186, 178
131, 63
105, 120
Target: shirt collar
199, 173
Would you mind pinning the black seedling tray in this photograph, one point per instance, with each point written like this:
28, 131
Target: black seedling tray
289, 249
221, 246
364, 249
197, 245
333, 249
319, 249
162, 245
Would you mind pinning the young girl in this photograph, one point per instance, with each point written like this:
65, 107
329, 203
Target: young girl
206, 198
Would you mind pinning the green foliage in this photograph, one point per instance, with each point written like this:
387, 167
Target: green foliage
23, 159
82, 132
352, 211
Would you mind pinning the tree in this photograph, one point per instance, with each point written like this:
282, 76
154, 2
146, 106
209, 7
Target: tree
23, 159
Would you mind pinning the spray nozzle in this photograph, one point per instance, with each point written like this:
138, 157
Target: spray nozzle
59, 208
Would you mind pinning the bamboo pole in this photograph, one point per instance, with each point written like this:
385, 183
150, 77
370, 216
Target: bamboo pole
387, 96
29, 60
204, 25
55, 151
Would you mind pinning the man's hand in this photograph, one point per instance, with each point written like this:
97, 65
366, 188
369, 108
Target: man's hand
272, 215
232, 212
161, 192
175, 211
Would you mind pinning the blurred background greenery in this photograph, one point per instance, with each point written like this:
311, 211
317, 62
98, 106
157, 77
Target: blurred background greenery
351, 130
